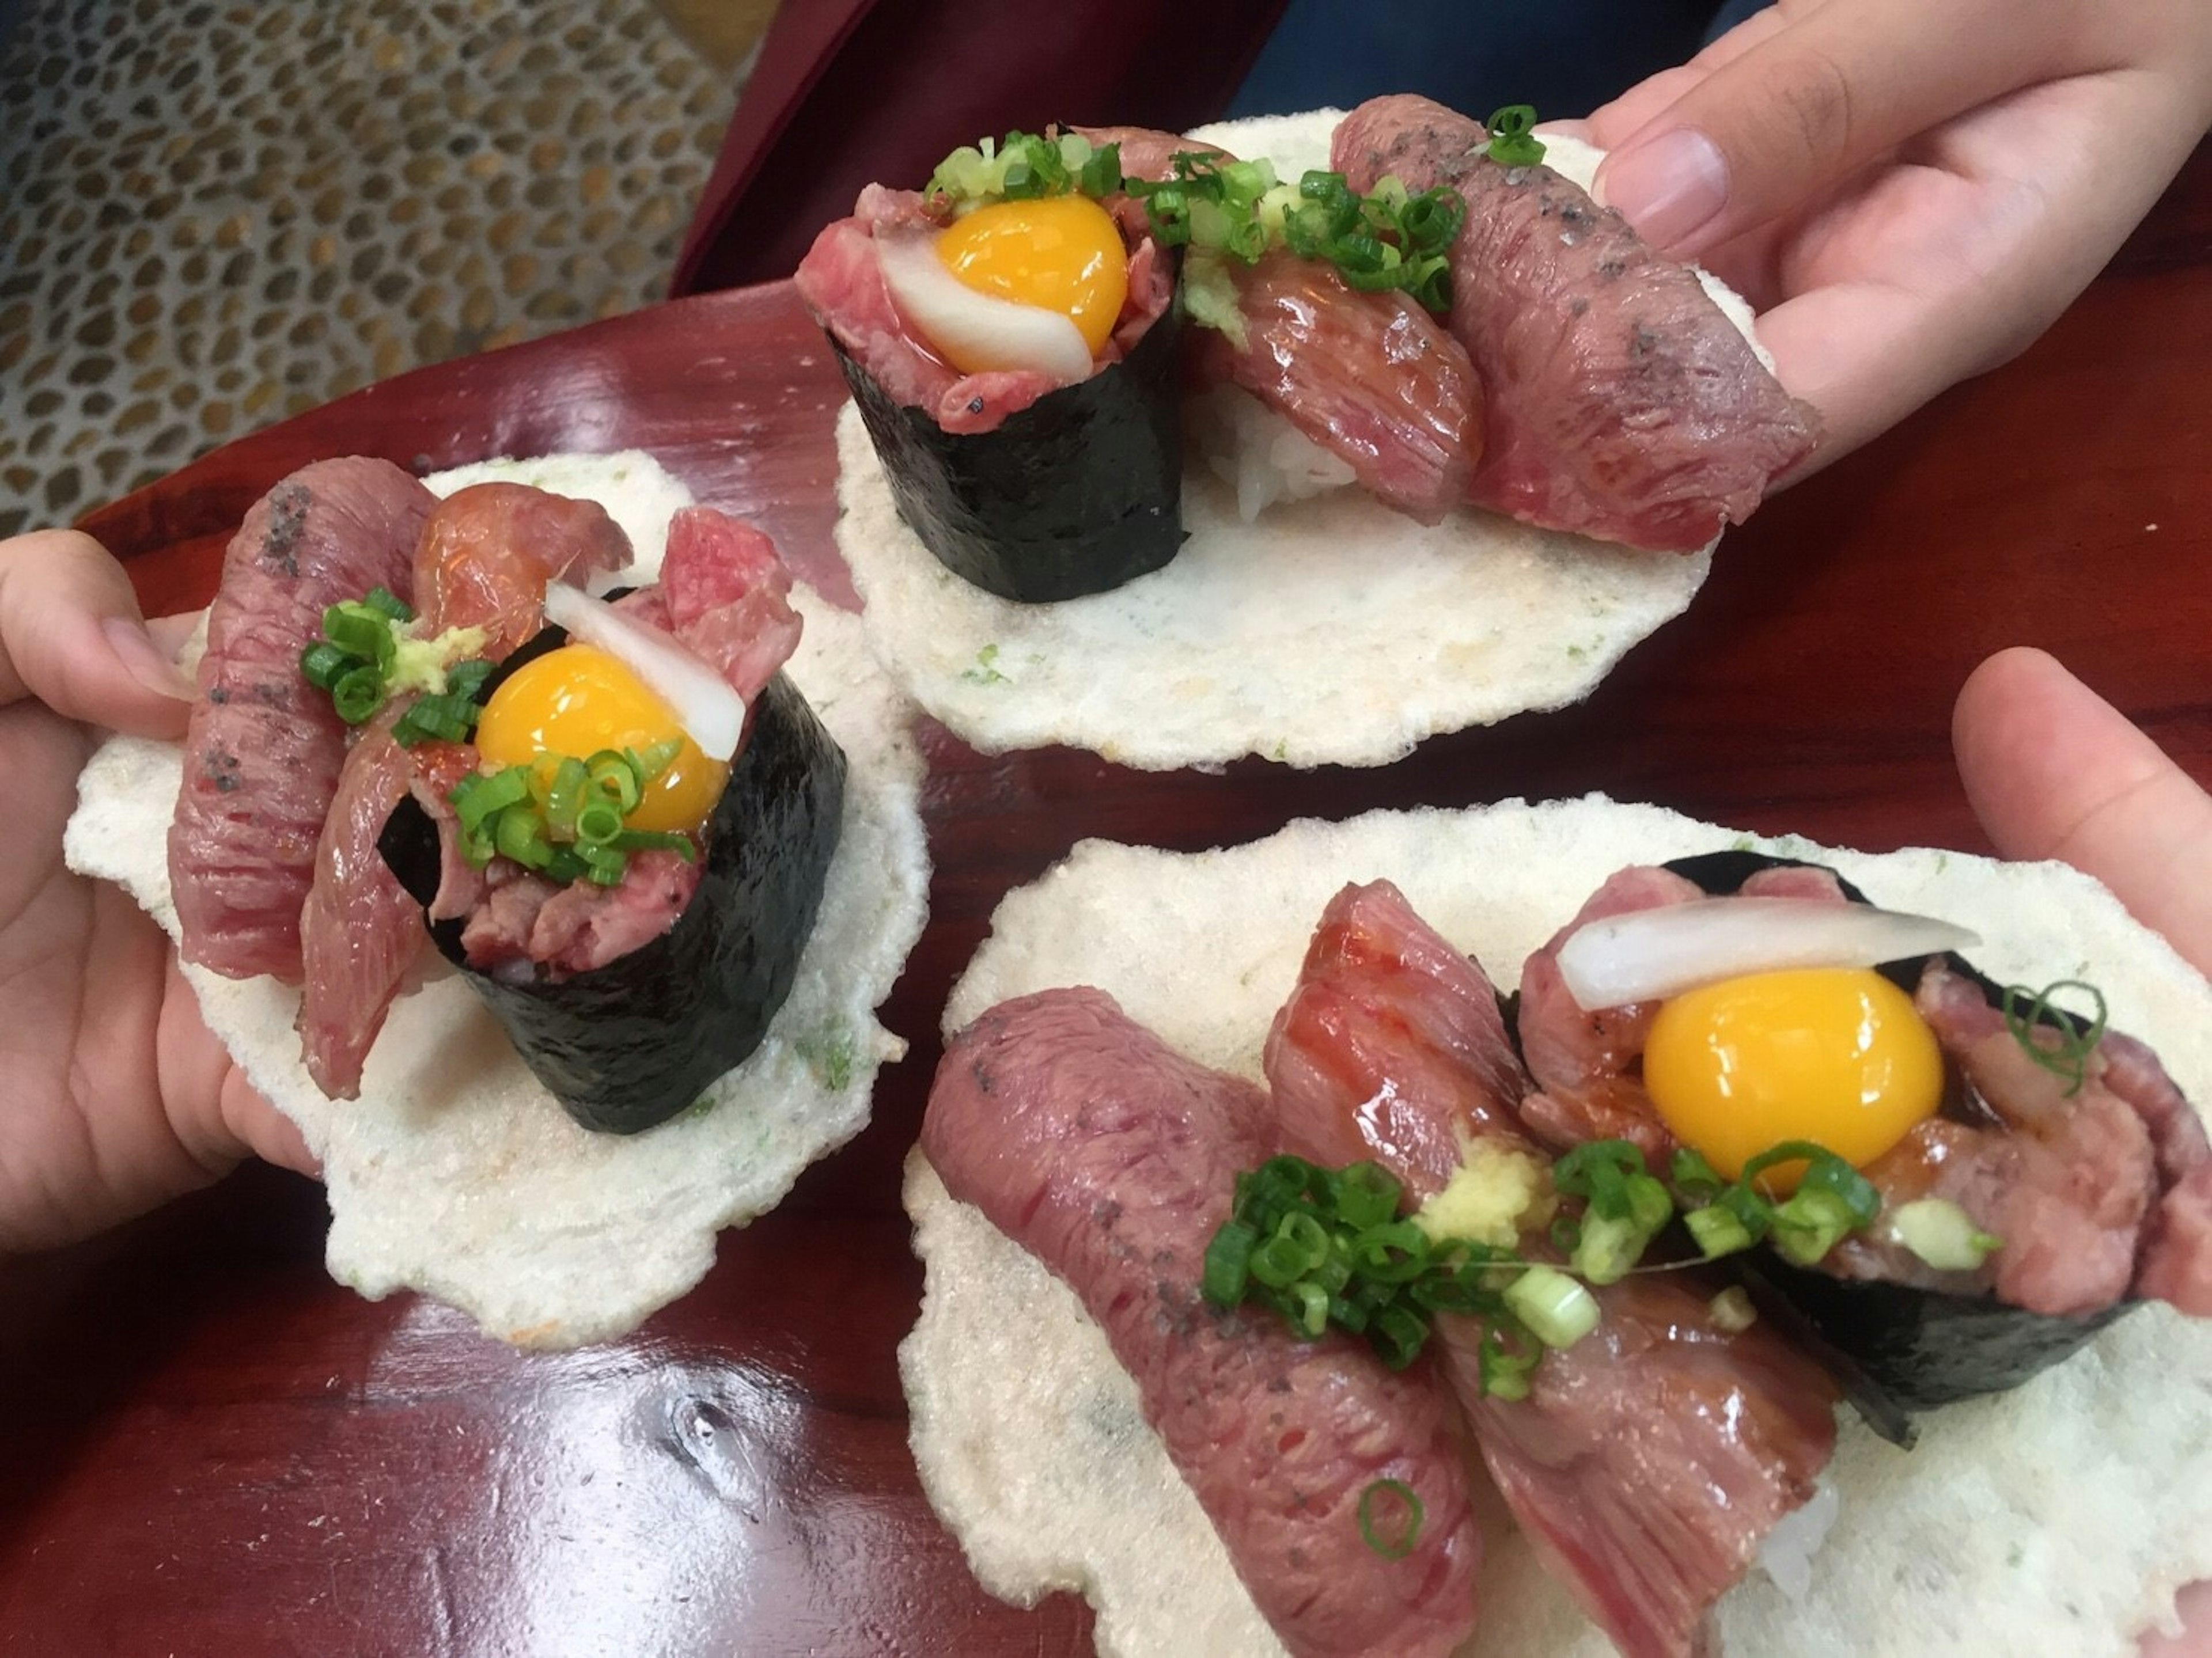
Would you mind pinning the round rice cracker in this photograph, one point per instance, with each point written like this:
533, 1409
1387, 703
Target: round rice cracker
2053, 1521
1331, 631
456, 1174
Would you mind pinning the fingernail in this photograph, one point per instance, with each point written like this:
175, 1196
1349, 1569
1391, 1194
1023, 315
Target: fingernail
145, 662
1670, 187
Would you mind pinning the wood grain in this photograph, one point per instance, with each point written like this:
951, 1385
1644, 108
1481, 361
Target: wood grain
213, 1448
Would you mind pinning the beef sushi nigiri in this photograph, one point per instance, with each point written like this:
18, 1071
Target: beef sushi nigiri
1011, 342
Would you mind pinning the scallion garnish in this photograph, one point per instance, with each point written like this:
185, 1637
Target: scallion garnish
1625, 1208
2029, 1012
367, 654
565, 818
1832, 1199
1400, 1544
1322, 1247
1942, 1234
1513, 140
1220, 209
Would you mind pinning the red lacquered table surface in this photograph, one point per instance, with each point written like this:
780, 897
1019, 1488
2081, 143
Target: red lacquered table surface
212, 1448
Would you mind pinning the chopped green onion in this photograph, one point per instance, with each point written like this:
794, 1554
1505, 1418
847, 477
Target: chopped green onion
615, 778
598, 823
358, 693
322, 663
1812, 1223
655, 759
1228, 1263
1398, 1547
1942, 1234
1718, 1230
1558, 1311
521, 835
564, 798
467, 678
388, 605
1505, 1359
1397, 1253
1693, 1176
360, 631
1367, 1195
1398, 1333
1309, 1312
478, 798
2076, 1037
1513, 141
445, 719
1607, 1250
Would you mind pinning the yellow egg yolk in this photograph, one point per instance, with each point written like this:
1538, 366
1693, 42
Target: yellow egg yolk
573, 702
1835, 1055
1059, 253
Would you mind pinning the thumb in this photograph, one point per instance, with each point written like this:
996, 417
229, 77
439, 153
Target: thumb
2055, 771
71, 635
1791, 110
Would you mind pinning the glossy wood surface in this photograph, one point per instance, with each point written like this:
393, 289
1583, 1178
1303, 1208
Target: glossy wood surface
212, 1448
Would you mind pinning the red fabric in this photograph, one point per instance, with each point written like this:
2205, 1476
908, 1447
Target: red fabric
851, 91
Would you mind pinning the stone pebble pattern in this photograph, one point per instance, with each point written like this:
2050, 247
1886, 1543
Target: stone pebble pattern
213, 217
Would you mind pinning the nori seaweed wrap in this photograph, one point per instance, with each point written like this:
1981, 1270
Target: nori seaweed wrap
627, 1046
1898, 1348
1078, 493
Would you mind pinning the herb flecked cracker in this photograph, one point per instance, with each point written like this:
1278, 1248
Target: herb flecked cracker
2053, 1521
456, 1173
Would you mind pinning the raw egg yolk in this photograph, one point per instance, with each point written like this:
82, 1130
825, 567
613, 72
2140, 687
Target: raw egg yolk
1059, 253
1835, 1055
577, 700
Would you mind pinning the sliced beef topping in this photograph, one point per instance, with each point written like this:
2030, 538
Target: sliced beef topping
1111, 1158
488, 550
1651, 1457
263, 754
1621, 402
1371, 377
360, 932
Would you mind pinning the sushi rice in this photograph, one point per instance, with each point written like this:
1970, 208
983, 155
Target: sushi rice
456, 1174
2053, 1521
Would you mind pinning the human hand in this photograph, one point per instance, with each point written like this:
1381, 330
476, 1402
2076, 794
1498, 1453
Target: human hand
116, 1096
1909, 192
2055, 771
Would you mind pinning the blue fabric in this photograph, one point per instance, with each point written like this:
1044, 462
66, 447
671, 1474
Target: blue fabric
1565, 57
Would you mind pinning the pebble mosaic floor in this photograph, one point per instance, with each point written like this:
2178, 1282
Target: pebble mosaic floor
214, 216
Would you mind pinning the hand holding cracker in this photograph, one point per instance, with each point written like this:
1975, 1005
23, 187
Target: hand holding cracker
119, 1098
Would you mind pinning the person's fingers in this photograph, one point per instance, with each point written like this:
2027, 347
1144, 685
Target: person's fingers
71, 635
1816, 100
2193, 1605
2055, 771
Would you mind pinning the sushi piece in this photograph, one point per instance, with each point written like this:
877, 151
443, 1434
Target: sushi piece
1087, 1140
630, 862
1622, 402
1649, 1458
1014, 358
2027, 1176
264, 750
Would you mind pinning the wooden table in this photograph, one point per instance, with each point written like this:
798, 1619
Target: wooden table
212, 1448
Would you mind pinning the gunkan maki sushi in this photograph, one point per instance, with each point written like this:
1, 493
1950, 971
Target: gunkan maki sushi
1944, 1183
619, 816
628, 862
1009, 335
